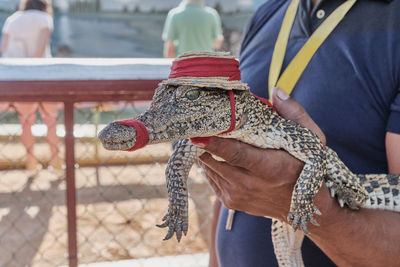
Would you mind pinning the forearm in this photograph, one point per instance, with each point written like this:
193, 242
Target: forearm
40, 52
4, 43
218, 42
169, 49
43, 41
356, 238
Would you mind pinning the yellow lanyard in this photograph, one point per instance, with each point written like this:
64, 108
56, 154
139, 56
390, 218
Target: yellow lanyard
292, 73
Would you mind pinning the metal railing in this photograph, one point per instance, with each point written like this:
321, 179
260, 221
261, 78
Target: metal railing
113, 200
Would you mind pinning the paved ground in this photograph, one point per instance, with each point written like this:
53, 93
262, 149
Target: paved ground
192, 260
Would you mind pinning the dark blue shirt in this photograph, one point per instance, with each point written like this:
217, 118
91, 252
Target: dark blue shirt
350, 88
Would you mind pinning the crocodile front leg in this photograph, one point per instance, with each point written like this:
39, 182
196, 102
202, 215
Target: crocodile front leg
177, 172
302, 207
305, 146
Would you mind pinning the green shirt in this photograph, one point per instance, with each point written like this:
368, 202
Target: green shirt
193, 27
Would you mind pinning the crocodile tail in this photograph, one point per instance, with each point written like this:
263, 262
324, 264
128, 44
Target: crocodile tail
287, 244
382, 190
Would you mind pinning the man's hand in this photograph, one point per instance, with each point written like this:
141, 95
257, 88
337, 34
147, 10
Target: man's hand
258, 181
254, 180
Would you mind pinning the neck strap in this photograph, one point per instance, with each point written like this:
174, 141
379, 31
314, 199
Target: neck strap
292, 73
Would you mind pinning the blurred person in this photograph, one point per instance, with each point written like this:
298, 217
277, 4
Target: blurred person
192, 27
26, 33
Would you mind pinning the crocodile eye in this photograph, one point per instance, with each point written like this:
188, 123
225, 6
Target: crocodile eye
193, 94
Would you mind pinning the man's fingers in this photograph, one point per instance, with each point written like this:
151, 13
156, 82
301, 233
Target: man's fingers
221, 168
222, 179
235, 153
290, 109
212, 179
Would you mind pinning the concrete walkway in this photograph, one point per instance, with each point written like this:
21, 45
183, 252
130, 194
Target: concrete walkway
191, 260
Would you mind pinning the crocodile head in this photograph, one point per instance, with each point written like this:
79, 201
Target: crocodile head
179, 112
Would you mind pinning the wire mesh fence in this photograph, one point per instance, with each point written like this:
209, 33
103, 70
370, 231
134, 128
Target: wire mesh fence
120, 198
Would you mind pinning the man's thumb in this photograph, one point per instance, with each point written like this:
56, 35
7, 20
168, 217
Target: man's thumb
290, 109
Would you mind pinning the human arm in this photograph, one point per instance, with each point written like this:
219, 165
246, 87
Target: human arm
5, 37
169, 34
217, 31
4, 43
260, 182
393, 152
43, 40
218, 42
169, 49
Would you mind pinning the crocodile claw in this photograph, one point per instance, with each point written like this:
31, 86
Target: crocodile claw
346, 196
163, 225
314, 221
170, 234
301, 220
175, 225
333, 193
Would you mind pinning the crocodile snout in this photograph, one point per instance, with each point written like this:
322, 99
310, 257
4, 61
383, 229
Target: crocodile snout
117, 136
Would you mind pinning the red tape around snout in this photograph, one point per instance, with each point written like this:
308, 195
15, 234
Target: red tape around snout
142, 135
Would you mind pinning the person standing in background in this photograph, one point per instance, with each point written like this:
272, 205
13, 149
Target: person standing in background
26, 33
192, 27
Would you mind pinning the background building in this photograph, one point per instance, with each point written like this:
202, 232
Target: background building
145, 6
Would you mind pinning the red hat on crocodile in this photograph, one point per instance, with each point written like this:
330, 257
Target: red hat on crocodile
207, 69
198, 65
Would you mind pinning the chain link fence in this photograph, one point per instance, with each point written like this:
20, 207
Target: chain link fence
120, 196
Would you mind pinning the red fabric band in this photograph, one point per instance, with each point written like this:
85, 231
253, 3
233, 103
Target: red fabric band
265, 101
206, 67
142, 135
233, 112
200, 140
